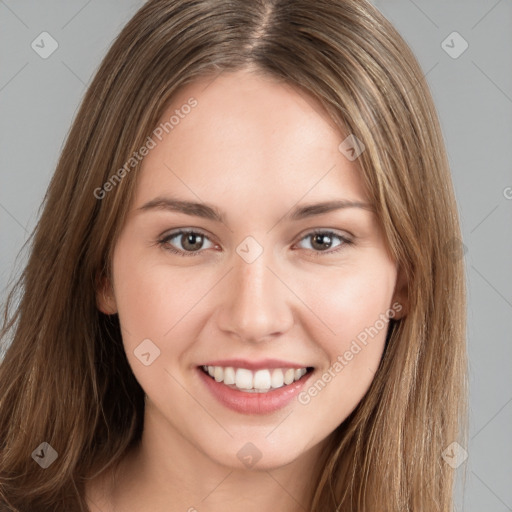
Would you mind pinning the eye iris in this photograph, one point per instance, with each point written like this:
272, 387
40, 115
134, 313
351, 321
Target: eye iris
322, 240
194, 239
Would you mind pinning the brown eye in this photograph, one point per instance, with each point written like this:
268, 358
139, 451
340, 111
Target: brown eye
322, 241
185, 242
191, 241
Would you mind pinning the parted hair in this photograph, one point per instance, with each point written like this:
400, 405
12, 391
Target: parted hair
65, 379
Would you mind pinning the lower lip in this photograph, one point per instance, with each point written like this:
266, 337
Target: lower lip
253, 403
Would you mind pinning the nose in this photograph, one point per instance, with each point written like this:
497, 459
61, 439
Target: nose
257, 305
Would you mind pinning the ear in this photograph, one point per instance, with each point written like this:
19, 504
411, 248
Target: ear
105, 299
401, 295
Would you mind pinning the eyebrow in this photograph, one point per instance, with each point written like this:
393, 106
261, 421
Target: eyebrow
208, 211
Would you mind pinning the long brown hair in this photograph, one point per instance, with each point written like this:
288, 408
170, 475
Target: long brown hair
65, 379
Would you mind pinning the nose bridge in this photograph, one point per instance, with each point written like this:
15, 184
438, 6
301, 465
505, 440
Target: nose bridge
252, 279
251, 262
257, 303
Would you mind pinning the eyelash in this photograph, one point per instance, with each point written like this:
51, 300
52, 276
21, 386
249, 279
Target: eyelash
164, 242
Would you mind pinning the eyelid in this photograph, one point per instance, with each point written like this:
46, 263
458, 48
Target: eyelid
188, 229
338, 232
310, 231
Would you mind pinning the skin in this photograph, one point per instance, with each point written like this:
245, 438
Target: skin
255, 149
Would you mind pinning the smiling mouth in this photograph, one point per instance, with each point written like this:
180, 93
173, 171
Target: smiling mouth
259, 381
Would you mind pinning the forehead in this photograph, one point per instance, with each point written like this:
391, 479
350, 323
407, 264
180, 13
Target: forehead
253, 135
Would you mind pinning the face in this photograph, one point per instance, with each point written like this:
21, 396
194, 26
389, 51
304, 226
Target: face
254, 320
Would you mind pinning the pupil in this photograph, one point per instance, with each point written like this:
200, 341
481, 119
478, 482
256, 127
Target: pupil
322, 239
191, 239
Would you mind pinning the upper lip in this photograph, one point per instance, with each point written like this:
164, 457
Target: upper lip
255, 365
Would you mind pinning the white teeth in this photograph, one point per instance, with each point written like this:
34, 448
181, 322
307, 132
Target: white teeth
277, 380
229, 375
243, 378
262, 380
289, 376
259, 381
218, 373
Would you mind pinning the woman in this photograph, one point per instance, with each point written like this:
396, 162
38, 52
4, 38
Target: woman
311, 354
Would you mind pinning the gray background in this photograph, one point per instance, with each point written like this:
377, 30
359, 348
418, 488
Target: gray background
473, 93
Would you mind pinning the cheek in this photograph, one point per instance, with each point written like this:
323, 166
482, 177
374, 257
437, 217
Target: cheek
350, 298
158, 301
355, 303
